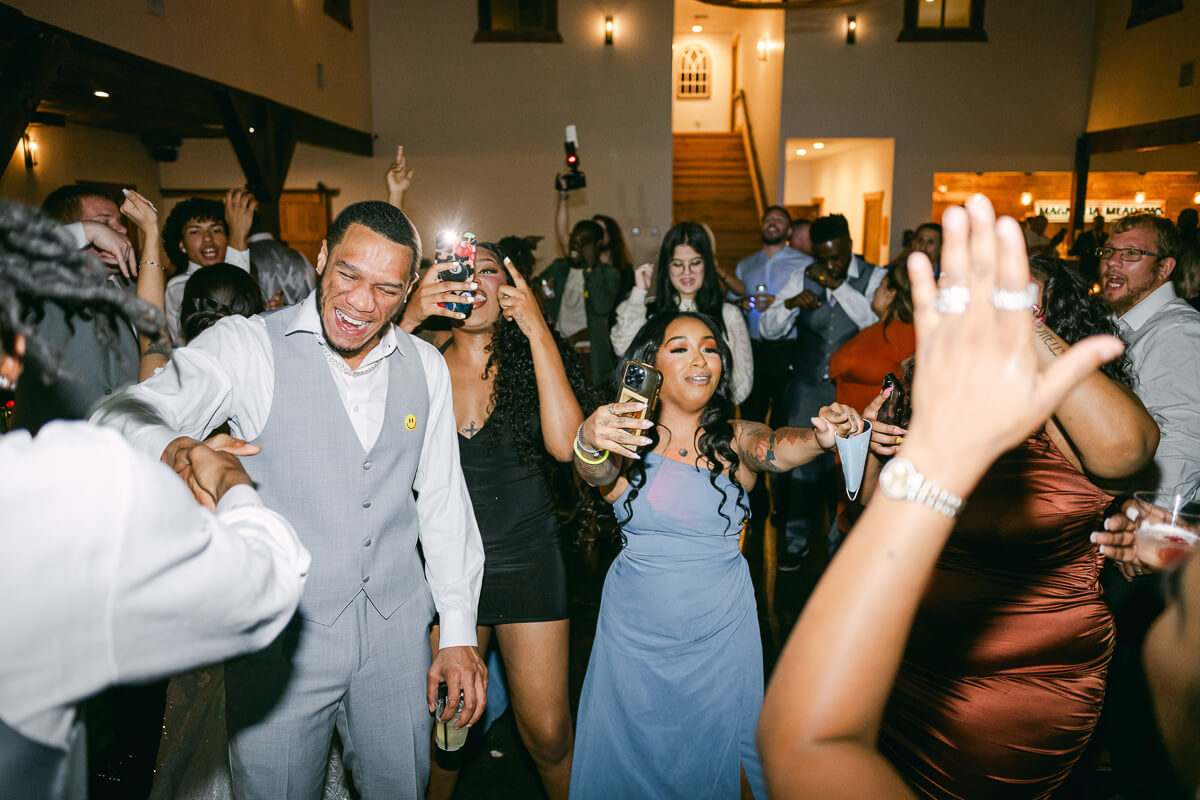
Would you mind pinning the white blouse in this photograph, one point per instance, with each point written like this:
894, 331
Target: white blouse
631, 316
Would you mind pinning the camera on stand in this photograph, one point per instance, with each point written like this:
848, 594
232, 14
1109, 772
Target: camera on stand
573, 178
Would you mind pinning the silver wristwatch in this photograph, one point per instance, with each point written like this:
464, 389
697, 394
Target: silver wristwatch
900, 480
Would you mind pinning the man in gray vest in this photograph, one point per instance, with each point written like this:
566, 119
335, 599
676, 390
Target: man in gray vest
826, 304
349, 429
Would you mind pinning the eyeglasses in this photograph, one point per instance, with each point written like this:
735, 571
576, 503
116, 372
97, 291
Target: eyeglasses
679, 268
1127, 253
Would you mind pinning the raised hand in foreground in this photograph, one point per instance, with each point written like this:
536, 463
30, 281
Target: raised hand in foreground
977, 393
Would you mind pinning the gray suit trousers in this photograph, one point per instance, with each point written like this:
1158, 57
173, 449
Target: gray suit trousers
364, 675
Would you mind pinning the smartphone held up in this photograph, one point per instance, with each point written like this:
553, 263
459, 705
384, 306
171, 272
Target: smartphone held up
454, 261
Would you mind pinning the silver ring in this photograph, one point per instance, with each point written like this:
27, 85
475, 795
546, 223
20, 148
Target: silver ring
1015, 299
952, 300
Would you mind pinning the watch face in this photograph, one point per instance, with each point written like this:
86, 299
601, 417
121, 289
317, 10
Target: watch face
895, 477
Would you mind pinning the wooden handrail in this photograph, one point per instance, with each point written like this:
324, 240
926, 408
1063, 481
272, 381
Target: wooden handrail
747, 131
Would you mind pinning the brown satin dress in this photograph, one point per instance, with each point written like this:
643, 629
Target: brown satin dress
1003, 678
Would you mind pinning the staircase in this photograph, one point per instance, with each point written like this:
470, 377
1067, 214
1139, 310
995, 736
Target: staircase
712, 184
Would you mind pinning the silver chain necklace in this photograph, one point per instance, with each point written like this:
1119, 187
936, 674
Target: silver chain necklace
337, 361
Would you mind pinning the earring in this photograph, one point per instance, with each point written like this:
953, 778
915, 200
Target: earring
6, 384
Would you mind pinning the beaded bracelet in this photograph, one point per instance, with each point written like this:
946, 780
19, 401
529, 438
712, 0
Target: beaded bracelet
579, 443
152, 263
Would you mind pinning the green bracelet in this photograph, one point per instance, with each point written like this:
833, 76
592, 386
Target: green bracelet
579, 454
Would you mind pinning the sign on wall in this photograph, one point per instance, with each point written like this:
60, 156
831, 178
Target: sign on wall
1059, 211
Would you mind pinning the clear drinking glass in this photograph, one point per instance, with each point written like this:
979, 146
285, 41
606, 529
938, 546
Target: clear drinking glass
447, 736
1168, 527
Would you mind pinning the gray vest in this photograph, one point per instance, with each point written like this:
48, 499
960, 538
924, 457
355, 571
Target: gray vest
30, 770
354, 511
819, 334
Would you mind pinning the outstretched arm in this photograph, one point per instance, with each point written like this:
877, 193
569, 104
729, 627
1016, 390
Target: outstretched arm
978, 392
764, 450
562, 225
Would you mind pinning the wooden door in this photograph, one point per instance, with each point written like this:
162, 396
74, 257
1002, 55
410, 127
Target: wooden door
303, 221
872, 238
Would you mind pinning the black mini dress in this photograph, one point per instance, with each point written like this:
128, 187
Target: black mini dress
524, 578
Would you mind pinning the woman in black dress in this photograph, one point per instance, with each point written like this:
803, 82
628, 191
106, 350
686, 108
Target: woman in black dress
516, 388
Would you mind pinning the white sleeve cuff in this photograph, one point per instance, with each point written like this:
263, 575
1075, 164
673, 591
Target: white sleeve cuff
240, 496
78, 234
457, 629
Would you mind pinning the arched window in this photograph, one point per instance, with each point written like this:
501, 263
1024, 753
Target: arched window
693, 81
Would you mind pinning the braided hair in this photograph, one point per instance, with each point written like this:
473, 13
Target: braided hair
41, 265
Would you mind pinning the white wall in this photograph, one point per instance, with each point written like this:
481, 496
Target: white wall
950, 107
797, 184
79, 153
482, 124
270, 47
710, 114
1137, 69
842, 180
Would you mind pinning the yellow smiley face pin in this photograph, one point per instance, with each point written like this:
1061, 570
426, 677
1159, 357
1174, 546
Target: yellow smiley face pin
410, 422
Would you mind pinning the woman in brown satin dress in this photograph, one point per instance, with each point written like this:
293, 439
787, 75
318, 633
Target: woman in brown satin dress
1003, 677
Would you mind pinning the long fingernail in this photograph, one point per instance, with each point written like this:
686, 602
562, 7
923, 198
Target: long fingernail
508, 261
888, 391
474, 285
641, 406
1133, 513
643, 440
1092, 537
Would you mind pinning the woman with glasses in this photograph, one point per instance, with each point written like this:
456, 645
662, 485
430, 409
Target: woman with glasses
686, 280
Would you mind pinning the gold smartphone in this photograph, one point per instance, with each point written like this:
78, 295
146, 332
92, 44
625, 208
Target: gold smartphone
640, 383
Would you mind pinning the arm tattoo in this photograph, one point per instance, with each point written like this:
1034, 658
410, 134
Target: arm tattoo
757, 447
771, 452
601, 475
1049, 339
160, 346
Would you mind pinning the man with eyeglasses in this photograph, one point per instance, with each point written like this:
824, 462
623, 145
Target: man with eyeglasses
1162, 333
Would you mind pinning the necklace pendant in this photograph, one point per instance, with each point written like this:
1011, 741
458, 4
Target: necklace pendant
683, 452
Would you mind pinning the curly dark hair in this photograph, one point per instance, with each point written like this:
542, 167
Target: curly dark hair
515, 403
714, 444
194, 208
214, 292
709, 297
41, 265
1074, 314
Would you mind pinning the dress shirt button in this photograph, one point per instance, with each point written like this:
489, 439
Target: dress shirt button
355, 409
366, 504
366, 542
366, 465
366, 578
108, 391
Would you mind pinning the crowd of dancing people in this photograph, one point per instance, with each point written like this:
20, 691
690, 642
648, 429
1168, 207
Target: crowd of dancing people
315, 498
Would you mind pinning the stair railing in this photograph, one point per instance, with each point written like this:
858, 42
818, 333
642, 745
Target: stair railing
747, 131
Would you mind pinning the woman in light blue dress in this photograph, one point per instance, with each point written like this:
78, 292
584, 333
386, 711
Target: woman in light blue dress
675, 682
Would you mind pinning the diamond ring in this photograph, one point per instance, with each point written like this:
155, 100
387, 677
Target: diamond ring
952, 300
1015, 299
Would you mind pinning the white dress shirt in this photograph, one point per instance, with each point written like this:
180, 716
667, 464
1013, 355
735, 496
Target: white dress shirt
112, 573
1162, 333
631, 316
228, 373
778, 320
175, 287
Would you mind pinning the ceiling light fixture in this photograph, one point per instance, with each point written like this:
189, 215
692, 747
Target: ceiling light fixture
697, 29
818, 145
1139, 198
101, 93
801, 152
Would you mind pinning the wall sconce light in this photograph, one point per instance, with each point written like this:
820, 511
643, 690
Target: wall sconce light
1026, 198
30, 147
763, 47
608, 29
851, 28
1139, 198
1196, 198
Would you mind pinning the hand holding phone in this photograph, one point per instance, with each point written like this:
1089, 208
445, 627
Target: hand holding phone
619, 427
454, 261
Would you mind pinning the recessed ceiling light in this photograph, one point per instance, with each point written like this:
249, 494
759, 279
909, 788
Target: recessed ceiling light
251, 129
100, 93
818, 145
697, 28
801, 152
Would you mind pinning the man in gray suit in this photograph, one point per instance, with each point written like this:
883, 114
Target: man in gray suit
283, 273
349, 430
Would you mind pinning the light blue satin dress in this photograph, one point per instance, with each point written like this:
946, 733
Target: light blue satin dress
675, 681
